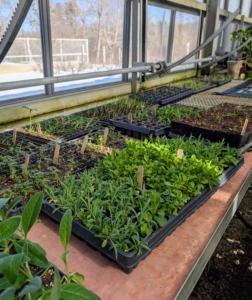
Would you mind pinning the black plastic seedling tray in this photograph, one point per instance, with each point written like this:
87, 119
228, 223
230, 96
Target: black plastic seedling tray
137, 130
81, 133
128, 261
164, 95
234, 140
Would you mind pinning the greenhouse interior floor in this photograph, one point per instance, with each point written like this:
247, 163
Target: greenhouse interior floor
208, 99
173, 268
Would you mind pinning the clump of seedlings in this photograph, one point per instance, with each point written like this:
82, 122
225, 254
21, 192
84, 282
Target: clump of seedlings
120, 107
61, 126
123, 209
194, 84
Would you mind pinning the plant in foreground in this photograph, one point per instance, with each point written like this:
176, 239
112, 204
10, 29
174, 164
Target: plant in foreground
16, 279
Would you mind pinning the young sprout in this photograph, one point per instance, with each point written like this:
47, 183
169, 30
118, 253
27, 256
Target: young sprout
30, 111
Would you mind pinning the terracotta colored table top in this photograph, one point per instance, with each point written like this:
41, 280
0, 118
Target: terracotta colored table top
162, 273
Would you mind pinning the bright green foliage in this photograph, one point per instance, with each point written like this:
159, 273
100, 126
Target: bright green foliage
108, 200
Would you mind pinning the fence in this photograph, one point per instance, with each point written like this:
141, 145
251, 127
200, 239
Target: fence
28, 50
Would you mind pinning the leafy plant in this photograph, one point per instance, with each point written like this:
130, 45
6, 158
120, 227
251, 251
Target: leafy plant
16, 279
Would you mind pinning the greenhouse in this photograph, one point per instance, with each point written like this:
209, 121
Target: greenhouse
125, 149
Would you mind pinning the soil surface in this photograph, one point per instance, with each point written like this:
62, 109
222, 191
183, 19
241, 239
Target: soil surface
228, 274
226, 117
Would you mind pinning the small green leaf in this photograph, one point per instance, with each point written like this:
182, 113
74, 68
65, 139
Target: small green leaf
8, 227
31, 212
64, 257
55, 294
73, 291
104, 243
147, 216
65, 228
76, 277
13, 203
34, 285
36, 253
3, 201
160, 220
8, 294
4, 283
9, 266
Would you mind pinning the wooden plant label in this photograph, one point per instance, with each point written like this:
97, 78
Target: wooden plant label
84, 145
56, 154
169, 86
205, 78
14, 136
168, 105
142, 94
154, 113
245, 125
39, 128
154, 91
27, 158
130, 118
180, 153
105, 137
140, 176
61, 118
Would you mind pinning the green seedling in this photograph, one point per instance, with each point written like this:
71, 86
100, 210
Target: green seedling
30, 112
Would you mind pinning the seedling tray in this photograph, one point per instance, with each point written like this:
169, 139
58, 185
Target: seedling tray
128, 261
223, 121
164, 95
40, 272
137, 130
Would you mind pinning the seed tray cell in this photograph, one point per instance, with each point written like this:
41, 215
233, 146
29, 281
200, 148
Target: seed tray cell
164, 95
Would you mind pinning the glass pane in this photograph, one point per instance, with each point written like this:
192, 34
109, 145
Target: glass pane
246, 8
233, 5
24, 59
157, 34
85, 38
185, 37
231, 28
222, 4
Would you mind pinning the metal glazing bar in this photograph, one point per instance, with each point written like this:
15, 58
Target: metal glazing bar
46, 41
209, 40
171, 35
144, 29
134, 42
126, 37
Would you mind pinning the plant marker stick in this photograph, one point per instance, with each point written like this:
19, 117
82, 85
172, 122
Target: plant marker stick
39, 128
245, 125
27, 158
14, 136
140, 176
142, 94
105, 137
154, 113
84, 145
180, 153
154, 91
56, 154
130, 118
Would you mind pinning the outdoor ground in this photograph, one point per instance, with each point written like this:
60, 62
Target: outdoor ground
228, 275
